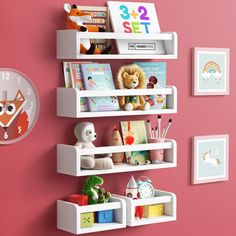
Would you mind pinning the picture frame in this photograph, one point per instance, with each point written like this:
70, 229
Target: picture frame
210, 71
210, 161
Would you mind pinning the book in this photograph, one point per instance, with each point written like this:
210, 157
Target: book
155, 73
135, 18
77, 81
99, 77
66, 73
100, 18
134, 132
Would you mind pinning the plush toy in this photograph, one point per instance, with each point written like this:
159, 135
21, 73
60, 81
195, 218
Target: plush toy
75, 19
95, 193
85, 134
132, 77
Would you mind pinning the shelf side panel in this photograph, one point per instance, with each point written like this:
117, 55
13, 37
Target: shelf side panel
68, 102
68, 161
68, 218
67, 47
171, 154
171, 46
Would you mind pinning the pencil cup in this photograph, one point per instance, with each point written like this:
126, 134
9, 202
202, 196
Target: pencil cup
156, 155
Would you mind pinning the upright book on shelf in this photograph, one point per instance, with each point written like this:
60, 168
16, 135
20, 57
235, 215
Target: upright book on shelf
135, 18
155, 73
99, 17
99, 77
77, 81
134, 132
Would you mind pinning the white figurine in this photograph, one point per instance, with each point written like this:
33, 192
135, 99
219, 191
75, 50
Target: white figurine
85, 134
132, 189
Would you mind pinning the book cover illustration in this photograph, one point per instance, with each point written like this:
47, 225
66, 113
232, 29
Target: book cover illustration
135, 18
100, 18
134, 132
155, 73
77, 82
99, 77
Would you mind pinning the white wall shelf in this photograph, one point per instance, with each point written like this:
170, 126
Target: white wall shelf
68, 216
68, 101
167, 198
68, 44
68, 158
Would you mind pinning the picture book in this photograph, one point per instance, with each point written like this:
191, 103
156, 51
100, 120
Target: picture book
134, 132
77, 81
100, 18
135, 18
99, 77
155, 73
66, 73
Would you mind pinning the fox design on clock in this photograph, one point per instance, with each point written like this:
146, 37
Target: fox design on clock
14, 121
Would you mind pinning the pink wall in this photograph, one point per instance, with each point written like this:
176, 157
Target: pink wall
29, 183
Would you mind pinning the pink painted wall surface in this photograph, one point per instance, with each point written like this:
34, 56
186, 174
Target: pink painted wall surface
29, 183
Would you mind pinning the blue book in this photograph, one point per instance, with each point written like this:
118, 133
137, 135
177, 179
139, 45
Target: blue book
99, 77
155, 73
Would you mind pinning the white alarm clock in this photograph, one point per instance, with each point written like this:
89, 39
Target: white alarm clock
145, 188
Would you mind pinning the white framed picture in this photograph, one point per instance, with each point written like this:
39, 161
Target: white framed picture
210, 158
210, 71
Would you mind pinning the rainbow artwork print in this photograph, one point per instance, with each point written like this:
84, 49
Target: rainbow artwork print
211, 71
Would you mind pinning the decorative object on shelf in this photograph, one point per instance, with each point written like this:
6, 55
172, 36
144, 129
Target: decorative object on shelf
79, 199
210, 158
19, 106
211, 71
145, 188
85, 134
156, 136
151, 211
155, 73
132, 77
99, 77
132, 188
131, 191
100, 18
156, 156
75, 19
96, 194
116, 140
134, 132
135, 18
86, 219
104, 216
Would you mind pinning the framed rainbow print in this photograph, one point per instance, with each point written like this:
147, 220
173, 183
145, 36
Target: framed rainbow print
210, 71
210, 158
135, 18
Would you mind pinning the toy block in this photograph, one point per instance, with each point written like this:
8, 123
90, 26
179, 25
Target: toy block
78, 199
104, 216
150, 211
86, 220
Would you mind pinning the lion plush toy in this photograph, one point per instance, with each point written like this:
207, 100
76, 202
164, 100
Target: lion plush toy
132, 77
85, 134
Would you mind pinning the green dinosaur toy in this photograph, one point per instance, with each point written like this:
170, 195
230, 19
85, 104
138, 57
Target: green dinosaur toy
95, 193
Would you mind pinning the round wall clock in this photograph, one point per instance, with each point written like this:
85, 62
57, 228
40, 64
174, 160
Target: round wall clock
19, 106
145, 188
